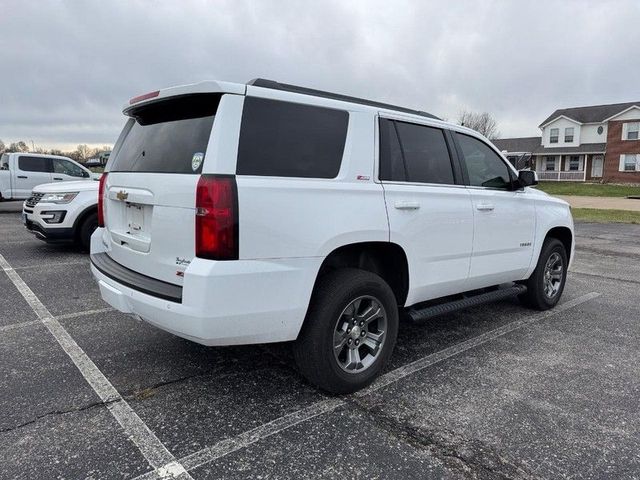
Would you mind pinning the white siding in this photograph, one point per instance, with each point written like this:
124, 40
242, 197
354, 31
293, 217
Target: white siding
589, 133
561, 124
633, 114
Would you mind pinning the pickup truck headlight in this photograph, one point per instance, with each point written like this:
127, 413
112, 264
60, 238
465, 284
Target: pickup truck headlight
65, 197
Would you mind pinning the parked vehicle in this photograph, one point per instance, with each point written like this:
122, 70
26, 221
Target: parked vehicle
236, 214
63, 212
21, 172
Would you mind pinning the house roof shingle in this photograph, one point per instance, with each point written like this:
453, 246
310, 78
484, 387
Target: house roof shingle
534, 145
584, 148
522, 144
591, 114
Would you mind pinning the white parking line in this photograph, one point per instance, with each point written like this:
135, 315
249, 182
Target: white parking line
55, 264
229, 445
160, 459
85, 312
15, 326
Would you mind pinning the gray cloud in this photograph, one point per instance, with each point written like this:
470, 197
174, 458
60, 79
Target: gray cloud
68, 67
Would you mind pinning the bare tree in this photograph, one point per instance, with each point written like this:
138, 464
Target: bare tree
20, 147
2, 147
84, 152
483, 123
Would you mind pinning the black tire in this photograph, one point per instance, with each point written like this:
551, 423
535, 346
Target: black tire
87, 227
314, 348
536, 296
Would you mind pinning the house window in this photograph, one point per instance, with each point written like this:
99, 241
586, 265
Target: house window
554, 133
574, 163
632, 130
550, 163
630, 163
568, 135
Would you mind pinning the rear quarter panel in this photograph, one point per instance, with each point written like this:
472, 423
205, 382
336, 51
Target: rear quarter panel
299, 217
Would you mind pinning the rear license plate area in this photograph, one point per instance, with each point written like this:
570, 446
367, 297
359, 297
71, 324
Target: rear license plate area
135, 219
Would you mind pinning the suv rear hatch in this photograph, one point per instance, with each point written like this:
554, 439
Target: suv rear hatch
149, 200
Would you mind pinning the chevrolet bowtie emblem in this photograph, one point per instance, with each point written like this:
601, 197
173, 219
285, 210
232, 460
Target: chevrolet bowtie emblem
122, 195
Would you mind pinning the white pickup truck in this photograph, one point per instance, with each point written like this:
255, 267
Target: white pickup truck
21, 172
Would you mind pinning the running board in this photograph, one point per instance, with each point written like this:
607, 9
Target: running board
420, 315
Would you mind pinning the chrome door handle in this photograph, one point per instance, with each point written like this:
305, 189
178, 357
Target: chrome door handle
485, 207
403, 205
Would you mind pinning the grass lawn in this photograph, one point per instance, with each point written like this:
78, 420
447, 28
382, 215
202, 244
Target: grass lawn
588, 189
605, 216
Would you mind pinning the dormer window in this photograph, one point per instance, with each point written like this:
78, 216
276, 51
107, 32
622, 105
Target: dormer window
554, 133
568, 135
630, 131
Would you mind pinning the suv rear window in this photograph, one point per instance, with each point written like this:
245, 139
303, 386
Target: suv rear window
169, 136
283, 139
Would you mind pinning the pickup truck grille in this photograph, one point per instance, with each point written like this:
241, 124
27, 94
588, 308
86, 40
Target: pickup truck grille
34, 199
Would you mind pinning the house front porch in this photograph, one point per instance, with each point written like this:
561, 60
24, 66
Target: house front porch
569, 167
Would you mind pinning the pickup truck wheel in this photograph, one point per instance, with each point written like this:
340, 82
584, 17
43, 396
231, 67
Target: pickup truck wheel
350, 331
546, 283
87, 228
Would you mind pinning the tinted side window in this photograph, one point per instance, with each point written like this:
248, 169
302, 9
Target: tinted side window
66, 167
391, 160
34, 164
414, 153
284, 139
425, 153
484, 166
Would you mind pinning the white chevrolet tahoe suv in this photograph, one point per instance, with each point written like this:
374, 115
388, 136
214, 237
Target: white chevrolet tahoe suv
63, 212
266, 212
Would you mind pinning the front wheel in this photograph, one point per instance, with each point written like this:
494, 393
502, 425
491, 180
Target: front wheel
350, 331
87, 228
547, 281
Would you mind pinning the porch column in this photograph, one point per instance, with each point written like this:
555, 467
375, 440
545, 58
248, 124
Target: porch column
559, 166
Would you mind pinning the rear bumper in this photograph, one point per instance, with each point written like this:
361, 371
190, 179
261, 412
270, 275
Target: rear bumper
225, 303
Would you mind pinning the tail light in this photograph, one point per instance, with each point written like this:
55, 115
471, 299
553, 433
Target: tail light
217, 217
101, 194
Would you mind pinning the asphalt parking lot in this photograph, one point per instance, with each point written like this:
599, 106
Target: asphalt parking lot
494, 392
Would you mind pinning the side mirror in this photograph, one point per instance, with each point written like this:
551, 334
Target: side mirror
527, 178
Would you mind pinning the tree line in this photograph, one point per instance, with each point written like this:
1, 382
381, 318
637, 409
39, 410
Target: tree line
81, 154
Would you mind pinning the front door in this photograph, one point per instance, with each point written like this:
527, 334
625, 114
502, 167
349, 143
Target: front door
65, 170
596, 166
504, 219
429, 211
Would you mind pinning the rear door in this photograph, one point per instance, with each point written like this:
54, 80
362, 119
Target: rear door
429, 210
31, 171
151, 185
504, 218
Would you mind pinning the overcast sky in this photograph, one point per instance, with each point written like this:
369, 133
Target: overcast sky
67, 68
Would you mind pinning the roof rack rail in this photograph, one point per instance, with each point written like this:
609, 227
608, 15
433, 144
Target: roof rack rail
272, 84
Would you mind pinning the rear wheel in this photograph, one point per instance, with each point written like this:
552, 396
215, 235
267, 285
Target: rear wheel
547, 281
350, 331
87, 227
